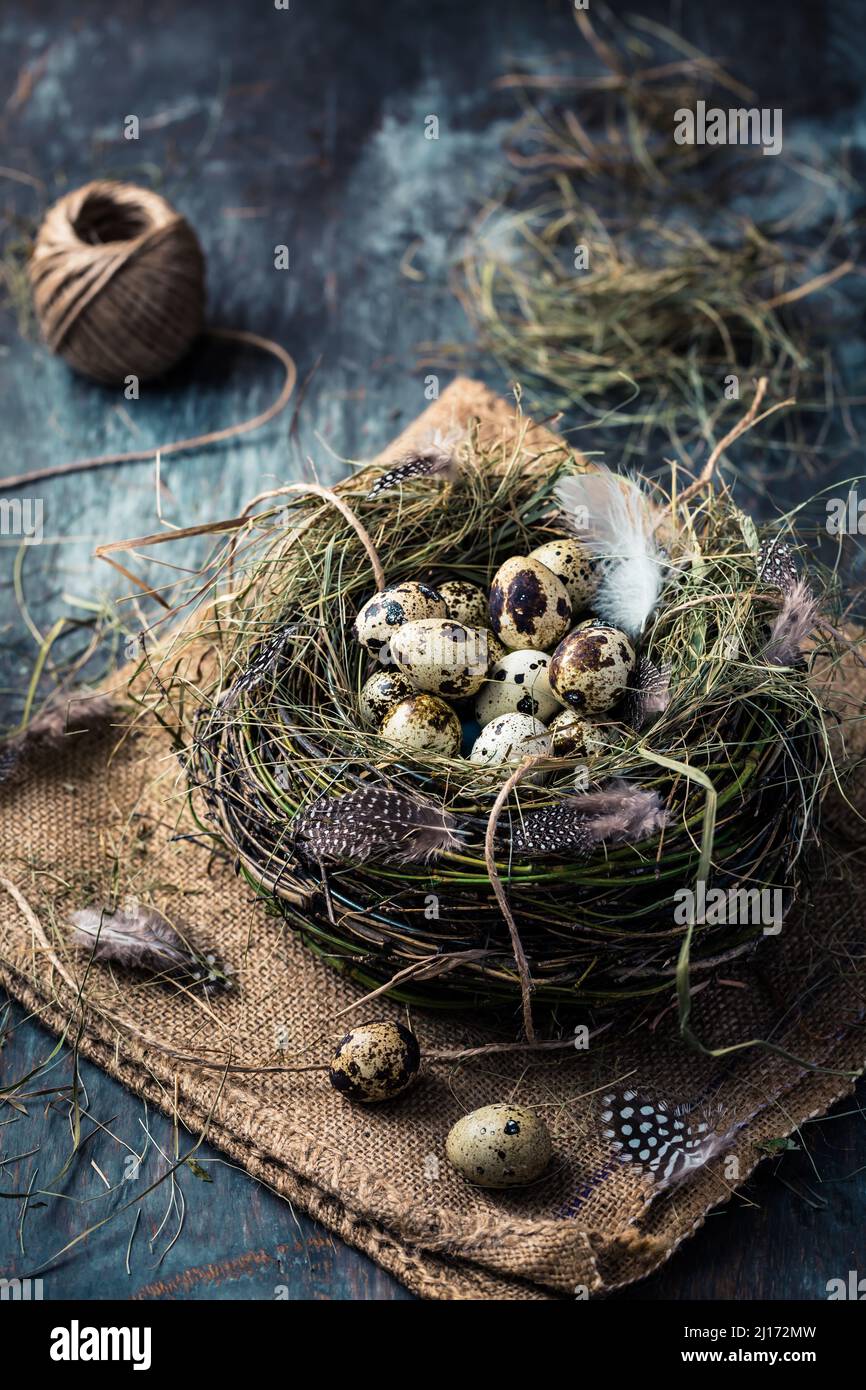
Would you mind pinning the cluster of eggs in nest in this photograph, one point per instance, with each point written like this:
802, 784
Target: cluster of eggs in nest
501, 675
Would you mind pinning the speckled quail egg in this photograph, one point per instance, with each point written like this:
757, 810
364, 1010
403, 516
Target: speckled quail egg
375, 1061
495, 649
572, 564
518, 684
508, 739
384, 613
442, 657
423, 724
499, 1146
572, 736
590, 668
382, 692
529, 606
464, 602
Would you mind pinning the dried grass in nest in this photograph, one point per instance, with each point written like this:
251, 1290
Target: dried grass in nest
267, 723
683, 287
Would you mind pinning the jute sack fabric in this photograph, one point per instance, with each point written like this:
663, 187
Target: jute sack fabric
377, 1176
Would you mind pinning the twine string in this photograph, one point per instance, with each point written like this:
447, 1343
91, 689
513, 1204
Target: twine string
496, 883
198, 441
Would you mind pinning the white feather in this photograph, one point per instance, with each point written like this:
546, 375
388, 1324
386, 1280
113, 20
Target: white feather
612, 516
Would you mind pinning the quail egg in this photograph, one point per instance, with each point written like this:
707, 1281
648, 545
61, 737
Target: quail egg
495, 649
499, 1146
571, 736
384, 613
442, 657
375, 1061
518, 684
529, 606
423, 724
464, 602
571, 563
590, 668
509, 738
382, 692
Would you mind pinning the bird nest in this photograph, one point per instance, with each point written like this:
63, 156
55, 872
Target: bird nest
451, 884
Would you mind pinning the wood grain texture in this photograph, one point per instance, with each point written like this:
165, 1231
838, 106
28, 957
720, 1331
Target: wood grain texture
305, 128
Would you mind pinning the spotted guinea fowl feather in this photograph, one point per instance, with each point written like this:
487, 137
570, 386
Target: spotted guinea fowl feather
669, 1142
776, 566
435, 458
262, 662
374, 823
648, 693
620, 814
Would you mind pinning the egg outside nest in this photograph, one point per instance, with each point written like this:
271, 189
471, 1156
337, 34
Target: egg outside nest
502, 1145
375, 1062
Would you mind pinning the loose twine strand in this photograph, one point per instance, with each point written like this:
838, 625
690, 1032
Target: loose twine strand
198, 441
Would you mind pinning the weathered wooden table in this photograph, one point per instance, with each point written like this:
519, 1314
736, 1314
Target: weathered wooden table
303, 127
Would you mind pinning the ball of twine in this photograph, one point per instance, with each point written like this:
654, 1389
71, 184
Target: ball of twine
118, 281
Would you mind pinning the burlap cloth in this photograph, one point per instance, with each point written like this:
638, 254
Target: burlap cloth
377, 1177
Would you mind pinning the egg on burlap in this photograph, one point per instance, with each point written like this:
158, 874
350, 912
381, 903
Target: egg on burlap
423, 724
529, 606
517, 684
375, 1061
387, 611
502, 1145
590, 668
441, 657
382, 692
464, 602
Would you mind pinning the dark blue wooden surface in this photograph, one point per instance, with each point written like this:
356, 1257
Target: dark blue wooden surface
305, 128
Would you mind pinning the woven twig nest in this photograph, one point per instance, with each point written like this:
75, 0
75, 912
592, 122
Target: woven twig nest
737, 760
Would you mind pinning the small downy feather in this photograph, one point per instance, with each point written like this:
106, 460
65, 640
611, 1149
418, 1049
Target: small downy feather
621, 814
611, 515
141, 938
669, 1142
374, 823
436, 458
648, 693
794, 622
63, 718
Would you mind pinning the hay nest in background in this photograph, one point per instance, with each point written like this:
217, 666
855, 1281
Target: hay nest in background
739, 759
